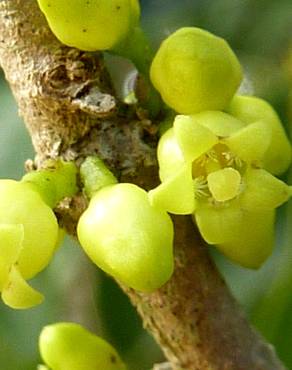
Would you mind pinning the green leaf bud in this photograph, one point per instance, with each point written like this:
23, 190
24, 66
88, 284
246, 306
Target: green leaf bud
68, 346
195, 71
91, 25
128, 238
250, 109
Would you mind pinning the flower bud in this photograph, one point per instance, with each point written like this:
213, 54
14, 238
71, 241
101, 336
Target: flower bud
195, 71
128, 238
69, 346
135, 12
28, 237
91, 25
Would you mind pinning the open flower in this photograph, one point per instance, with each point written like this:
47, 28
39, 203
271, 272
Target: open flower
28, 237
213, 165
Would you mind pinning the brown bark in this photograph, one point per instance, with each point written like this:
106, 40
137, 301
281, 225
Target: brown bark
66, 99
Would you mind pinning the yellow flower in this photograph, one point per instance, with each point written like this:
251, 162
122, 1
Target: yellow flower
28, 237
213, 165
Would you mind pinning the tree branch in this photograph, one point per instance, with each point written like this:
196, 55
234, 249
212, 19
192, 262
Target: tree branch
66, 99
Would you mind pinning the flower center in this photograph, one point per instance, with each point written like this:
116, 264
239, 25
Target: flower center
217, 174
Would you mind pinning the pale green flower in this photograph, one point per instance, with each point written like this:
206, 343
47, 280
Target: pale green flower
213, 165
29, 234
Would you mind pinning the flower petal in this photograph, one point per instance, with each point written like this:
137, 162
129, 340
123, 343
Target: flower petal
245, 237
11, 237
224, 184
254, 242
263, 191
250, 109
176, 194
194, 139
218, 223
251, 143
18, 294
220, 123
170, 156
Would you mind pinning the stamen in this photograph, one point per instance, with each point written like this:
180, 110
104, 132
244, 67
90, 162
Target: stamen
201, 161
211, 154
232, 160
201, 187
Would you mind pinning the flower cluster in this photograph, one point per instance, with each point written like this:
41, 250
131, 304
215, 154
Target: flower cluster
217, 162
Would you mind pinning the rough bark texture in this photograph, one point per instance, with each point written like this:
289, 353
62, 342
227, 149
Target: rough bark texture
66, 99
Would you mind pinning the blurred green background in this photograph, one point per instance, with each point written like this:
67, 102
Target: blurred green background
260, 31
